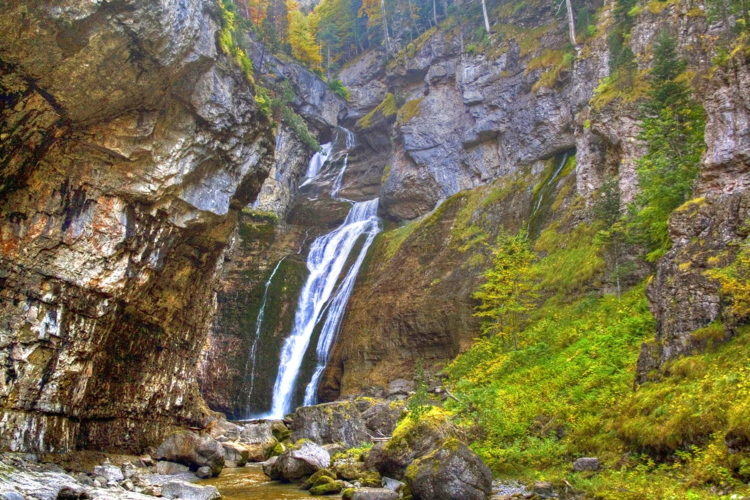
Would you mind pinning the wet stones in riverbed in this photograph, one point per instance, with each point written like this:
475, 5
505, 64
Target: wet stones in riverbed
192, 449
188, 491
318, 478
166, 468
370, 494
203, 472
111, 473
323, 482
28, 478
327, 488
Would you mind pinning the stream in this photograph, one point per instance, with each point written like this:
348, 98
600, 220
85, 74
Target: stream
249, 482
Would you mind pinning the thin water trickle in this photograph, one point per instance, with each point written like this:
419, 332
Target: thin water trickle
250, 374
339, 178
545, 188
326, 261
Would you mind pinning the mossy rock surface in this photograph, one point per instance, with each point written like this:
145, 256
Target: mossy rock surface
412, 440
327, 489
323, 476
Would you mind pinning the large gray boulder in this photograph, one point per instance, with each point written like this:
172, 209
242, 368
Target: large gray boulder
166, 468
586, 464
410, 441
187, 491
223, 430
338, 422
193, 450
269, 468
381, 418
302, 459
235, 454
451, 472
111, 473
260, 438
257, 433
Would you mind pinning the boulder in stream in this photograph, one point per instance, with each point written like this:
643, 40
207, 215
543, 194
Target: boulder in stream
236, 455
193, 450
188, 491
259, 438
302, 459
166, 468
337, 422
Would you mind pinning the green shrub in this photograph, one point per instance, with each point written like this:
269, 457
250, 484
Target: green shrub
339, 89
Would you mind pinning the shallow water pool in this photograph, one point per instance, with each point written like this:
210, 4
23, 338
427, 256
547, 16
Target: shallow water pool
249, 482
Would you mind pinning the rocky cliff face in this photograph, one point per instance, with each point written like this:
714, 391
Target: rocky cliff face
413, 299
461, 120
128, 145
706, 231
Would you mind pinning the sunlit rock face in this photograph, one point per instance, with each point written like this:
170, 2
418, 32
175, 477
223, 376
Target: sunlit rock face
128, 144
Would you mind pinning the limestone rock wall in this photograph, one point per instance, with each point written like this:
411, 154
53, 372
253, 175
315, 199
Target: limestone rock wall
465, 120
128, 145
707, 231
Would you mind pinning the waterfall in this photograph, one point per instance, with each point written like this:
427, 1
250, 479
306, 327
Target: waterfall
317, 161
326, 261
258, 325
351, 142
336, 310
339, 178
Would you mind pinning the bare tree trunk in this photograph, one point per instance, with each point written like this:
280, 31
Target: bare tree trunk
385, 27
486, 18
262, 56
459, 12
328, 66
434, 11
571, 23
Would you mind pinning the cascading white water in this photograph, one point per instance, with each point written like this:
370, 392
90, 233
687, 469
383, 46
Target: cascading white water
326, 261
351, 141
337, 305
250, 370
339, 178
317, 161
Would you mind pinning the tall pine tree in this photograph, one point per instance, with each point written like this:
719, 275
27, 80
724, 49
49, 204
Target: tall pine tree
673, 128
